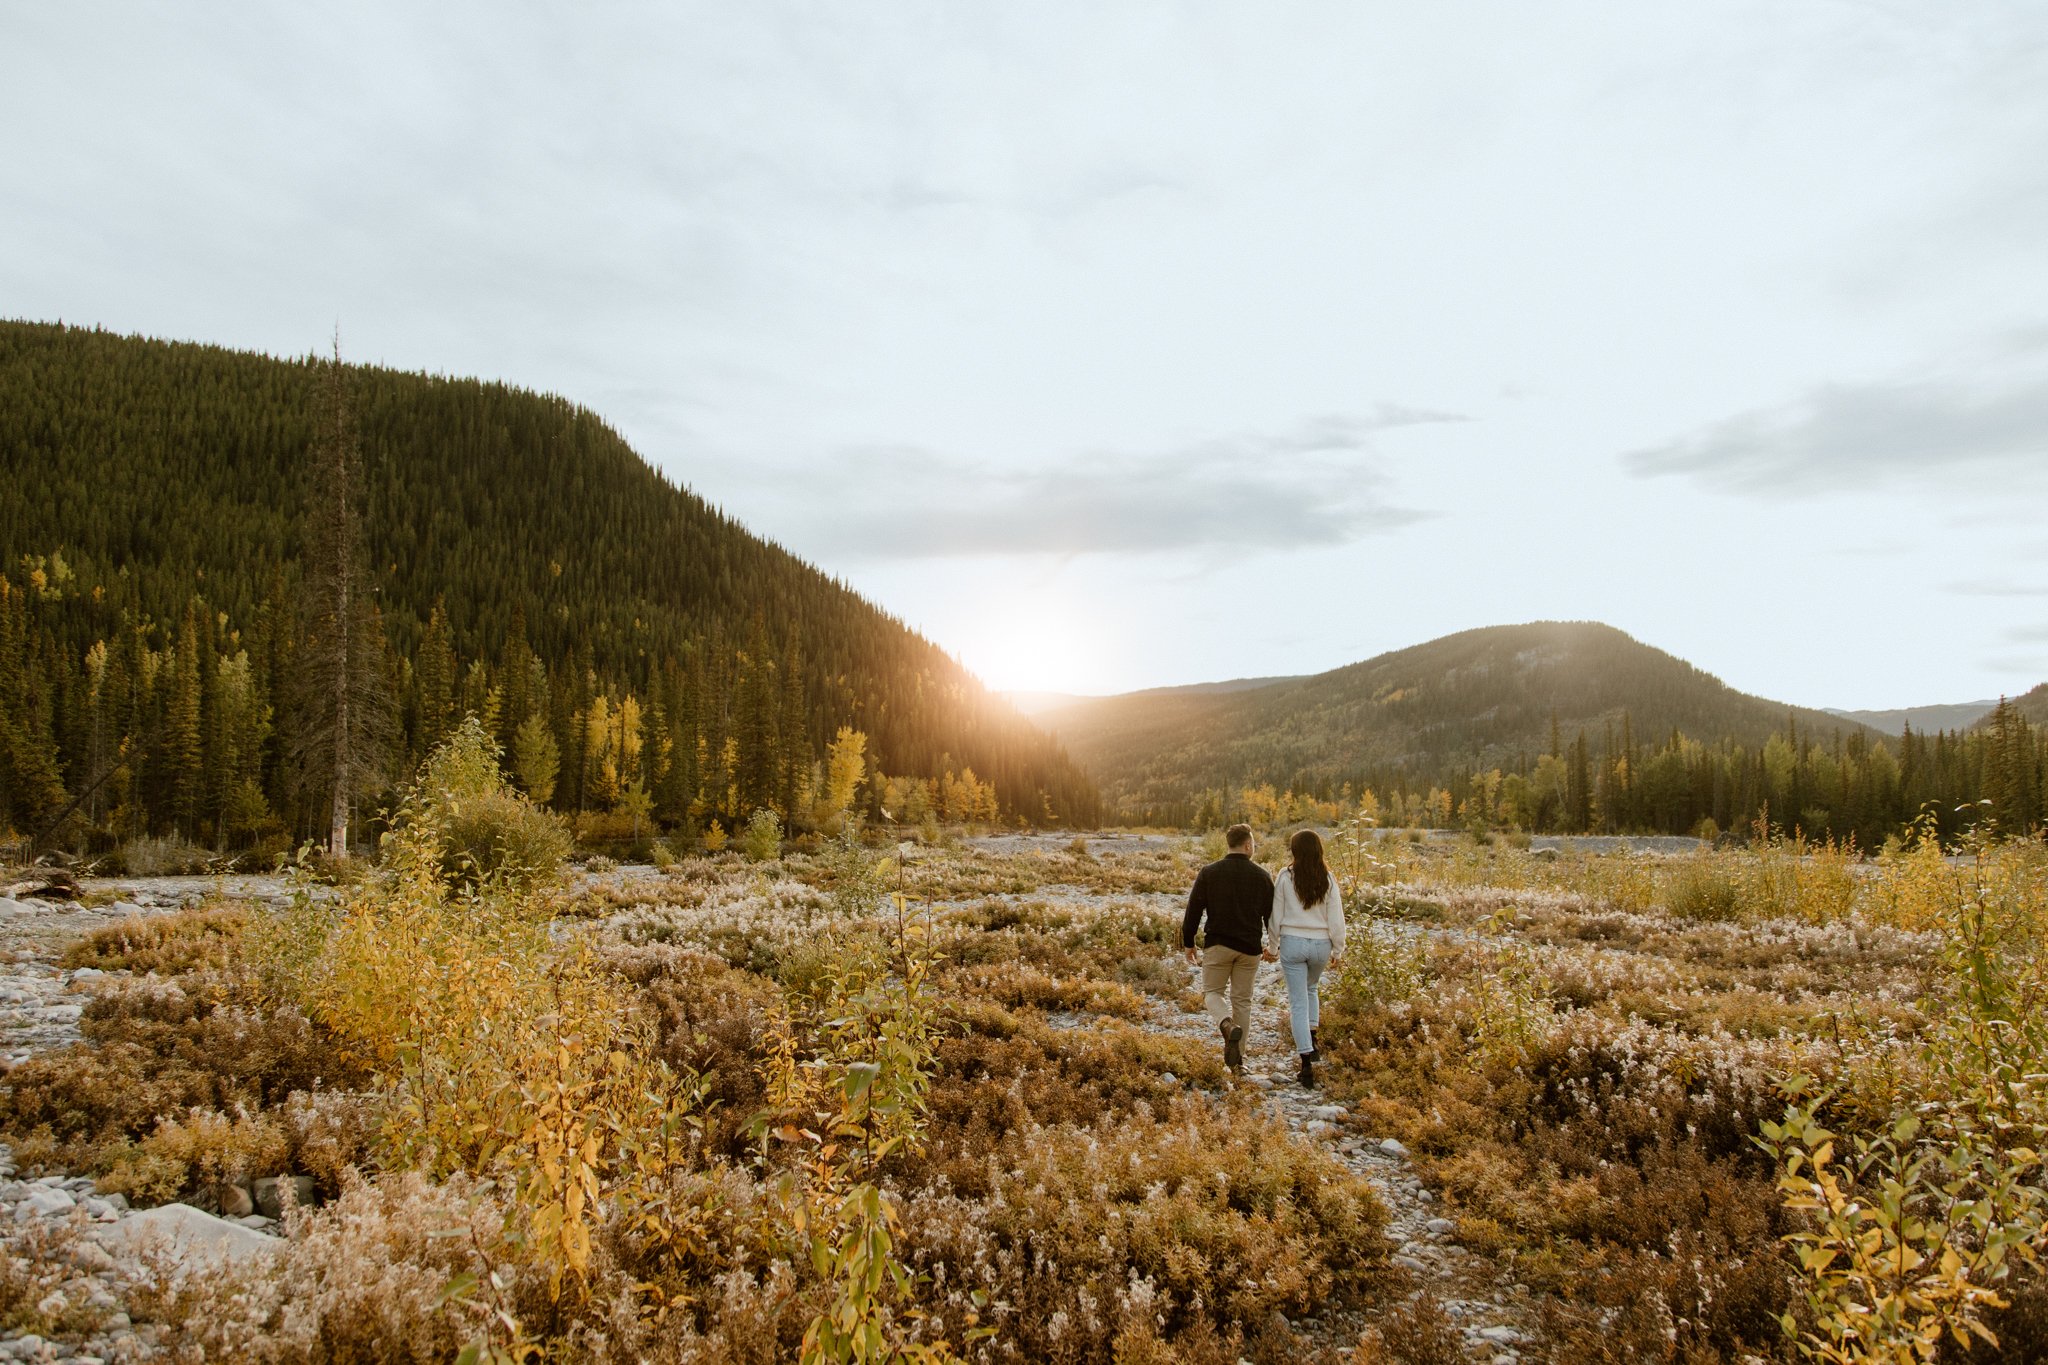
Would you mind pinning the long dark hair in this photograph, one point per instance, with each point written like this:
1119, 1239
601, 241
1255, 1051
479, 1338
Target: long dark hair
1311, 873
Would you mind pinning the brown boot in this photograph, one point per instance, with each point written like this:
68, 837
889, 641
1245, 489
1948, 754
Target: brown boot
1233, 1047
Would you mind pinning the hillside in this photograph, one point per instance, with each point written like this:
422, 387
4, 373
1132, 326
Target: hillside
151, 491
1039, 703
1477, 699
1950, 716
2032, 705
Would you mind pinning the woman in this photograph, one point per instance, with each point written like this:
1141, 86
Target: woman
1308, 915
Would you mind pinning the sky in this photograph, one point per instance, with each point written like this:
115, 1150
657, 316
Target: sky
1123, 345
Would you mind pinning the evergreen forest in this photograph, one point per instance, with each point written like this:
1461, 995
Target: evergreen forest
642, 660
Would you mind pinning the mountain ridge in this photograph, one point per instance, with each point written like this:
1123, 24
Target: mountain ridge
1428, 708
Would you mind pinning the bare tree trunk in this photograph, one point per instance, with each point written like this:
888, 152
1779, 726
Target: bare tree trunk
340, 712
344, 528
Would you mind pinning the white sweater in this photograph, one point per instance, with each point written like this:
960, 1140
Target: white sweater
1324, 919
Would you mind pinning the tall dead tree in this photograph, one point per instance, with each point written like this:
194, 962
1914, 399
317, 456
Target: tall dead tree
342, 715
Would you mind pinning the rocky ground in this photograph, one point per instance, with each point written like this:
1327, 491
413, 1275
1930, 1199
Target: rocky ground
82, 1254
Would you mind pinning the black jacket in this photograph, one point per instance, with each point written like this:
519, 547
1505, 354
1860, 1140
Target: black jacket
1237, 896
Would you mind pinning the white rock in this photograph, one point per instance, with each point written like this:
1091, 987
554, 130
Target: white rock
89, 1256
1500, 1336
1331, 1112
192, 1234
1442, 1227
1394, 1147
45, 1202
87, 974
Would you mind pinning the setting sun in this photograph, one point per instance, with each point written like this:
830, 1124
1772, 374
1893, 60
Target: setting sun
1036, 645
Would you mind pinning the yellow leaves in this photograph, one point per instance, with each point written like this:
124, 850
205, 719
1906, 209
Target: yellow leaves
505, 1055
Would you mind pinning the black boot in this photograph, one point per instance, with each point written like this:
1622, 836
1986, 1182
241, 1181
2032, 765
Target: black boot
1233, 1046
1308, 1071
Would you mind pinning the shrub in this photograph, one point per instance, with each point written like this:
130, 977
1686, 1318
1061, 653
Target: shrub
206, 937
859, 879
394, 1271
501, 835
1703, 889
762, 839
484, 829
212, 1151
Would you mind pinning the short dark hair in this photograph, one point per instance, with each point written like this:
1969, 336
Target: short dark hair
1238, 836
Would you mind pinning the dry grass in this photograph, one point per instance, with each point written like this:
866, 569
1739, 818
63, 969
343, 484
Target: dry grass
1577, 1050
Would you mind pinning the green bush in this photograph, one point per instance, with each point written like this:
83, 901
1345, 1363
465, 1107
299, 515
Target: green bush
761, 841
1702, 889
486, 830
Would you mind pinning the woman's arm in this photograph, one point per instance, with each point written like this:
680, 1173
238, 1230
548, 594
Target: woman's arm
1335, 903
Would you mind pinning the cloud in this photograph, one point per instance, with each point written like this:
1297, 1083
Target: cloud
1318, 483
1858, 434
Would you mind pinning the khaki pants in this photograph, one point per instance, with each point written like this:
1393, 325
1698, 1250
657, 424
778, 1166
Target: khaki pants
1228, 968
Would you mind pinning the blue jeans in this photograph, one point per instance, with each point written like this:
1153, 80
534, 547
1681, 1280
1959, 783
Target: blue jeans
1302, 961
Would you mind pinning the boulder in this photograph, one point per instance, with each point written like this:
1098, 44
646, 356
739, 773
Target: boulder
270, 1194
236, 1202
46, 1201
188, 1234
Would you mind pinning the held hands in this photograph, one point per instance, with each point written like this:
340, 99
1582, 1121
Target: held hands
1269, 956
1194, 958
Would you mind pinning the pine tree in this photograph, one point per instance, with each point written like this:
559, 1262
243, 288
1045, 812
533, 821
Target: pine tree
434, 682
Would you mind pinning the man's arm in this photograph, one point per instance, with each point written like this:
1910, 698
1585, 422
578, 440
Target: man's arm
1198, 905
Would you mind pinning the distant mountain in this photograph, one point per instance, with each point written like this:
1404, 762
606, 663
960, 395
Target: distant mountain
1470, 701
1039, 703
1952, 716
152, 496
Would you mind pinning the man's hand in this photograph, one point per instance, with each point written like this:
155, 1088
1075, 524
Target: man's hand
1269, 956
1194, 958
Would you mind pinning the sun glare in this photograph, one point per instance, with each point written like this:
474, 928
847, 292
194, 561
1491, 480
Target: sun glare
1036, 648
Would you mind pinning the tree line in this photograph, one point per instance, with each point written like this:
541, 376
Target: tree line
1842, 786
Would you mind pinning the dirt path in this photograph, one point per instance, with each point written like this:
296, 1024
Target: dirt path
1495, 1316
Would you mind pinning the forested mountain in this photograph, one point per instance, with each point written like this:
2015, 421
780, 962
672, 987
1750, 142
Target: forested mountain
1552, 725
524, 562
1896, 721
2031, 705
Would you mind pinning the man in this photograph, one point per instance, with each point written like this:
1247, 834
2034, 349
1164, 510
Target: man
1236, 896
